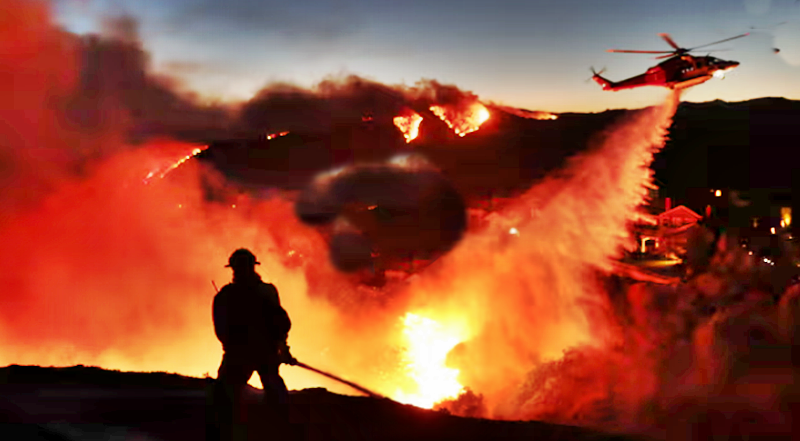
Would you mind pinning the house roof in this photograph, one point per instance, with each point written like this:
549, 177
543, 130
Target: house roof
682, 211
676, 231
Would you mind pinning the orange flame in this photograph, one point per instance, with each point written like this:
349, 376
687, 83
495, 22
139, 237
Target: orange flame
161, 171
464, 122
429, 342
409, 125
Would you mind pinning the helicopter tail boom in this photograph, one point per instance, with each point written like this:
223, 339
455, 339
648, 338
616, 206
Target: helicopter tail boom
603, 82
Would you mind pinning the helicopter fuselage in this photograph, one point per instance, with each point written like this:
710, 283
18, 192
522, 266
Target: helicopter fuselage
678, 72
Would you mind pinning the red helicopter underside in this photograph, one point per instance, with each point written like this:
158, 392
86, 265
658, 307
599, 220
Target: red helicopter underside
680, 70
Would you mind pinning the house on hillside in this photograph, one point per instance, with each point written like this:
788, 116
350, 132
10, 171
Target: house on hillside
677, 217
670, 233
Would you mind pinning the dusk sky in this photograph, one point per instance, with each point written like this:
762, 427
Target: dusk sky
533, 54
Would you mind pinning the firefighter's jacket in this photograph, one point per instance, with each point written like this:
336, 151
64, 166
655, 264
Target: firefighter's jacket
249, 318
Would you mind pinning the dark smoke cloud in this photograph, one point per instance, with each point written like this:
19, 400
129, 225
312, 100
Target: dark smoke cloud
434, 92
71, 100
285, 106
339, 122
117, 86
391, 213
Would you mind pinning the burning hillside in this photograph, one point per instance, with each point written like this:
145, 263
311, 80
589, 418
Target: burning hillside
513, 320
408, 124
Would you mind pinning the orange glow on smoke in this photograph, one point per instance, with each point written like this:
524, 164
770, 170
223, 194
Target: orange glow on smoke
428, 343
462, 122
408, 125
528, 114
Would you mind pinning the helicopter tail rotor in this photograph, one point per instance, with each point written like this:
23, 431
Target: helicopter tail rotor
603, 82
595, 74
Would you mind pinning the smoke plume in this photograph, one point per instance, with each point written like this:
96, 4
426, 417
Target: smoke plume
281, 106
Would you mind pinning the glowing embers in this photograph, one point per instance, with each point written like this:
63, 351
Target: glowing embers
463, 121
428, 343
272, 136
160, 172
408, 123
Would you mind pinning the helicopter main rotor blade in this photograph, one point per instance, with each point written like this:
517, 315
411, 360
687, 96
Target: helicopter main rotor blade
638, 52
721, 41
676, 54
670, 41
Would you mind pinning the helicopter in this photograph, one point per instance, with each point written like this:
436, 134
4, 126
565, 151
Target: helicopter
679, 71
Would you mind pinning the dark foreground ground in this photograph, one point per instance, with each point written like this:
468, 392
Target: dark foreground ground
82, 403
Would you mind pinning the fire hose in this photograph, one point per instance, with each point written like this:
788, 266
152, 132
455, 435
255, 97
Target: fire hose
355, 386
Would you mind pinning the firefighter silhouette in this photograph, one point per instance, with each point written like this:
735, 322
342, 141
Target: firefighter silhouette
253, 328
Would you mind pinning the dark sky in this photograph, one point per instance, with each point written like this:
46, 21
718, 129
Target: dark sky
534, 54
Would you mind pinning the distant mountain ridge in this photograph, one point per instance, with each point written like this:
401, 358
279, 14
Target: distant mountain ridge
772, 102
741, 145
715, 144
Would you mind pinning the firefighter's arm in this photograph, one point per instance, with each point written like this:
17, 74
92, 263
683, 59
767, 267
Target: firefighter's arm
219, 315
284, 355
275, 313
283, 324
